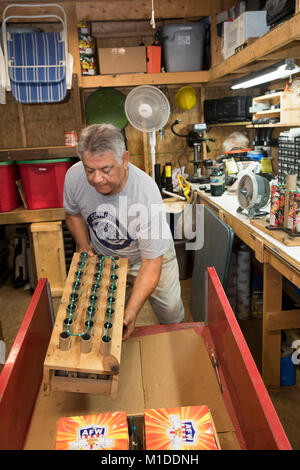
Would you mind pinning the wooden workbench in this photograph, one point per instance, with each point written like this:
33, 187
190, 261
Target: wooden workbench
279, 260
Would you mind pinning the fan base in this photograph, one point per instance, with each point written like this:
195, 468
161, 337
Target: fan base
252, 213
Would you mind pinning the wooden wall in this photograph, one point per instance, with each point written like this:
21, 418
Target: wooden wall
39, 125
123, 22
169, 148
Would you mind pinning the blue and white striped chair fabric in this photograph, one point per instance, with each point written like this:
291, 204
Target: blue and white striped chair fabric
37, 67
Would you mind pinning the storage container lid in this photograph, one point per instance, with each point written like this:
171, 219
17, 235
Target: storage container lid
56, 160
7, 163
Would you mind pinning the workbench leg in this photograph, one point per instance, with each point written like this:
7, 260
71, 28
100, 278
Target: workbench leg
272, 302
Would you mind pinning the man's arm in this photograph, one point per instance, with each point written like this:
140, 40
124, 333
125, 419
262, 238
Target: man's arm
79, 231
145, 283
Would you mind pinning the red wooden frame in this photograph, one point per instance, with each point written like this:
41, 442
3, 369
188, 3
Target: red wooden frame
253, 415
258, 420
21, 376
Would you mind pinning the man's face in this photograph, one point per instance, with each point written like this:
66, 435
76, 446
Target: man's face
104, 173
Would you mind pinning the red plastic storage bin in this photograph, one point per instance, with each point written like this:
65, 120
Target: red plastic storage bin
9, 198
43, 182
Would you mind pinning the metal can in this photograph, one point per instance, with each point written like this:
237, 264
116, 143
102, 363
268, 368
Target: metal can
217, 182
70, 138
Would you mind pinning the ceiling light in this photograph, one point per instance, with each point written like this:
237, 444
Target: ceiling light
277, 71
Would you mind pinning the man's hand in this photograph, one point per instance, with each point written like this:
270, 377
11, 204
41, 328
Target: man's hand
145, 283
88, 250
79, 231
128, 323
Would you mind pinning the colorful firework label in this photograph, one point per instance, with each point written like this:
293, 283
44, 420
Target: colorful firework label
181, 432
182, 428
107, 431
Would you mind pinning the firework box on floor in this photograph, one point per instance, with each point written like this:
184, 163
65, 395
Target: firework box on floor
106, 431
180, 428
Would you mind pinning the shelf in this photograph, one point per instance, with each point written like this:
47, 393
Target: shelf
134, 79
26, 216
274, 46
267, 112
35, 153
278, 124
288, 113
227, 124
268, 97
270, 48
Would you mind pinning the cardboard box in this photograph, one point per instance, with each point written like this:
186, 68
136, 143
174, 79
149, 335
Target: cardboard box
114, 60
251, 24
106, 431
180, 428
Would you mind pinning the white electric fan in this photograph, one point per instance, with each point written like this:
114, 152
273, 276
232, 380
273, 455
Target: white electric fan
148, 110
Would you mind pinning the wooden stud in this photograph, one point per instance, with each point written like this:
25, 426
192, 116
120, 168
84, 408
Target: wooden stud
22, 124
49, 254
289, 320
272, 293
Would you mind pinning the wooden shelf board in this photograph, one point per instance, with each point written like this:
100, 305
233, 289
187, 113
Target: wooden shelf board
35, 153
225, 124
278, 38
268, 111
268, 97
278, 124
134, 79
23, 216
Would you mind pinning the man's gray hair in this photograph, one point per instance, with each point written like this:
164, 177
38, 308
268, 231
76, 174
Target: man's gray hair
100, 138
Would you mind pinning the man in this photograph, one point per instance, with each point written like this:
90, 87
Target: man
115, 209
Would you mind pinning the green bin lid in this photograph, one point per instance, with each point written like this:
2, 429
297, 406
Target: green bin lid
7, 163
106, 106
55, 160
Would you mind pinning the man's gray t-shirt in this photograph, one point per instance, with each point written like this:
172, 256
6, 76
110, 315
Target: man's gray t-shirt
131, 224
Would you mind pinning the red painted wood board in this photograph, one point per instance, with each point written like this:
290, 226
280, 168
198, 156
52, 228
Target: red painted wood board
21, 375
258, 420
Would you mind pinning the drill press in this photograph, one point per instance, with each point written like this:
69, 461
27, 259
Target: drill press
194, 140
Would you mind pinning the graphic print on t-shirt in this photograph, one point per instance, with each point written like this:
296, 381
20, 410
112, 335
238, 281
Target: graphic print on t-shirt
108, 230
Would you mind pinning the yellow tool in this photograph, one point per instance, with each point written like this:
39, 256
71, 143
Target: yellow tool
185, 188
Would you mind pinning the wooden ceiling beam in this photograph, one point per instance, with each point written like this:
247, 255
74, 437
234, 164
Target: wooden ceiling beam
141, 10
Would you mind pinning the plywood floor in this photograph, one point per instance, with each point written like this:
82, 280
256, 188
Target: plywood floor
14, 302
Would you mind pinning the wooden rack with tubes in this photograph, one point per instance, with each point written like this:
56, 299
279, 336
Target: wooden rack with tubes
90, 314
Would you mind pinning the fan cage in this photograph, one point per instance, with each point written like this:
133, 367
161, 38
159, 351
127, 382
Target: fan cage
152, 98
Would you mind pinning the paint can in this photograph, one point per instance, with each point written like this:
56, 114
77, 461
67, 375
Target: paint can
217, 182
